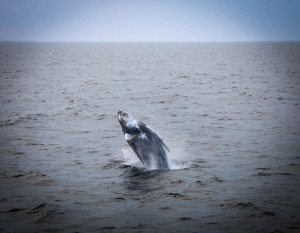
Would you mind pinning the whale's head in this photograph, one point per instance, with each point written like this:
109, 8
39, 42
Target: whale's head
127, 121
130, 126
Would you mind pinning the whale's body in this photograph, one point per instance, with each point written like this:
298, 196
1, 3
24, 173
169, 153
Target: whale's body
147, 145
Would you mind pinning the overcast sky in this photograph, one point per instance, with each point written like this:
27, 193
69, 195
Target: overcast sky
149, 20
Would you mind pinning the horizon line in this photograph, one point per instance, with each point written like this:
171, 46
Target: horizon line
137, 41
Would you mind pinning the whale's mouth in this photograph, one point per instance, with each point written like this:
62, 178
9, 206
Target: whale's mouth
122, 118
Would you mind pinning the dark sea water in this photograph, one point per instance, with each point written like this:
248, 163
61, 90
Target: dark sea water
228, 111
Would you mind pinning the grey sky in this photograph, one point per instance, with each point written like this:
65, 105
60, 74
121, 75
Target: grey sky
153, 20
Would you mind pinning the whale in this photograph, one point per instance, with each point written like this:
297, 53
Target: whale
145, 142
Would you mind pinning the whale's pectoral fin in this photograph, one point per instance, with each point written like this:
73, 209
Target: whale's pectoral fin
130, 137
159, 138
165, 146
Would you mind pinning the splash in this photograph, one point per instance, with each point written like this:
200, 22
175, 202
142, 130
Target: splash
178, 164
178, 158
131, 159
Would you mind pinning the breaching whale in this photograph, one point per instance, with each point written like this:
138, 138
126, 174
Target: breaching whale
147, 145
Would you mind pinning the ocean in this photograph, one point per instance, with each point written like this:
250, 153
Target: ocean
229, 113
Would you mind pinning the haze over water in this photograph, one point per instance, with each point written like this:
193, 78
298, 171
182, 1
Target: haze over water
228, 111
145, 20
